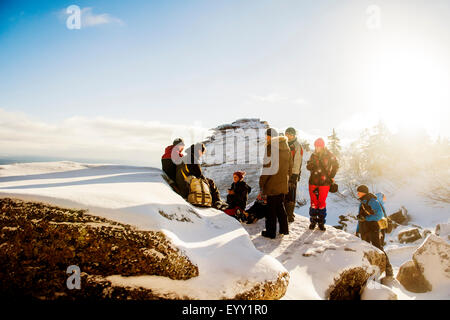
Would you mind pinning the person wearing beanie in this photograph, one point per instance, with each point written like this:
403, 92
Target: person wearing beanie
237, 196
171, 157
371, 210
274, 183
297, 158
323, 166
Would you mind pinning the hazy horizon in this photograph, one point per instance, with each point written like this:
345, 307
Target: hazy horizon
136, 74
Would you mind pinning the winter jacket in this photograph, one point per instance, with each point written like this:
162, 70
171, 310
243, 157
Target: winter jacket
319, 162
370, 205
370, 209
297, 156
275, 183
239, 198
168, 166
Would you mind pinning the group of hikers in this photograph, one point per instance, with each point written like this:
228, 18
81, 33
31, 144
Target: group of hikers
276, 200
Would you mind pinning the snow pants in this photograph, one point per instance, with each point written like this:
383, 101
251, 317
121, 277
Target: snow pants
318, 209
276, 210
318, 195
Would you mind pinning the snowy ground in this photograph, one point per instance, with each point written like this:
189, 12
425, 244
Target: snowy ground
313, 258
138, 195
423, 211
227, 260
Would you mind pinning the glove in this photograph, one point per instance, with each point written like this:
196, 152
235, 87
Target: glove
293, 179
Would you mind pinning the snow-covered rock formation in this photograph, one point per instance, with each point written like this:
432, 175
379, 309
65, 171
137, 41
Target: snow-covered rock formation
229, 266
330, 265
429, 268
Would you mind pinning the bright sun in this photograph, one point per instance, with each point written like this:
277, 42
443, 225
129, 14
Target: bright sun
410, 88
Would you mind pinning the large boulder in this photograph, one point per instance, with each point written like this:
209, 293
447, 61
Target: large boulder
400, 217
164, 247
38, 242
411, 277
409, 236
429, 268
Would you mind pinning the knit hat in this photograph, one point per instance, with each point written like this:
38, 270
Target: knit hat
240, 174
363, 189
178, 141
319, 143
271, 132
291, 131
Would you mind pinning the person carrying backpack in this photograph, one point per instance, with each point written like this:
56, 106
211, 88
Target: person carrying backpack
297, 157
172, 154
189, 169
370, 212
237, 196
323, 166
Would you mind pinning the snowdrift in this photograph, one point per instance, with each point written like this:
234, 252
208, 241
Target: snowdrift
228, 263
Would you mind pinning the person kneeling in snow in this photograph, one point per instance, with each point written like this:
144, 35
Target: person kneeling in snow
370, 212
237, 197
258, 210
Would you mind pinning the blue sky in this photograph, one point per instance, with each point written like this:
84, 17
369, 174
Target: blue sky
314, 65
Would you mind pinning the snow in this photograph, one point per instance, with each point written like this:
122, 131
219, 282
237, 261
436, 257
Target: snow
377, 291
139, 196
313, 258
227, 259
423, 211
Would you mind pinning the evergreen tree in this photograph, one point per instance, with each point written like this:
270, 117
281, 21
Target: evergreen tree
334, 144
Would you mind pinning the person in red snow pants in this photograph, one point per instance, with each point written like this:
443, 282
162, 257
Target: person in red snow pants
318, 202
323, 166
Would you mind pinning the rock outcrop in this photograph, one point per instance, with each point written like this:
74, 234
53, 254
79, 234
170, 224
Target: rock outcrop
429, 268
409, 236
401, 216
38, 242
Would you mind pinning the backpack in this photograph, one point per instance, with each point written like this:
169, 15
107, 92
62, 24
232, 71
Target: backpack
199, 193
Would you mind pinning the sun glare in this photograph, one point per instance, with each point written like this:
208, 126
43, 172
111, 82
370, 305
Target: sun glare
410, 88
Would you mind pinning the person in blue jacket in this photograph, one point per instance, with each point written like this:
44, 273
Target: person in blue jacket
371, 200
370, 211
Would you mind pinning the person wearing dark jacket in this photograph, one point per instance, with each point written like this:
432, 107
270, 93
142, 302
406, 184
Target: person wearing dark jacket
274, 181
323, 166
370, 211
190, 166
297, 158
238, 192
171, 157
237, 196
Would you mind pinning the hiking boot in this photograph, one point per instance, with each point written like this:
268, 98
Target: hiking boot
312, 226
265, 234
290, 219
322, 227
